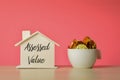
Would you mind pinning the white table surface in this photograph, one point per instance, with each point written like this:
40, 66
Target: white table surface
61, 73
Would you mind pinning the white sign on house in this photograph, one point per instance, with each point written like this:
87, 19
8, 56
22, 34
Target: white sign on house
36, 51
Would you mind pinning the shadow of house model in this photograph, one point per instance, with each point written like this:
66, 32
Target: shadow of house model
36, 51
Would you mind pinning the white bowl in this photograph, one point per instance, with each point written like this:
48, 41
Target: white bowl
83, 58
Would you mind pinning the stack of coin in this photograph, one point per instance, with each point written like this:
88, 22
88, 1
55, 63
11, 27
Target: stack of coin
87, 43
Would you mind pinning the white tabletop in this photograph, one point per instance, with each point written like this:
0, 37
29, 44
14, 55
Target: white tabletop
61, 73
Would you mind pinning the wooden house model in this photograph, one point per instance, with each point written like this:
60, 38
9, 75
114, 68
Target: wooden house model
36, 51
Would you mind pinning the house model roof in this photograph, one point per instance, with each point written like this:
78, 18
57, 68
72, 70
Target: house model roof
34, 34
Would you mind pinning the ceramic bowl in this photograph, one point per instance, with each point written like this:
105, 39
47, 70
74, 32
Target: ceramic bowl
83, 58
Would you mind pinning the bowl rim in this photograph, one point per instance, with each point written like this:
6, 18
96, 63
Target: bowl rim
98, 50
83, 49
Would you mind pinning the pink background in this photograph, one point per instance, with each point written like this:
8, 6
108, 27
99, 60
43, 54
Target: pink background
62, 21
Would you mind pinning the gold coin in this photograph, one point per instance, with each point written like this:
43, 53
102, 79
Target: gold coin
81, 46
75, 43
91, 45
86, 40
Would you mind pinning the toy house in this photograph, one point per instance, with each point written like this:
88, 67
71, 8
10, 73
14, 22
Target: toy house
36, 51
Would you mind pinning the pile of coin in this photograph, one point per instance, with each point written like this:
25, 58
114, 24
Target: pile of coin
86, 43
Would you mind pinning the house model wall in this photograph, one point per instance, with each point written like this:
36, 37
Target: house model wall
36, 51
